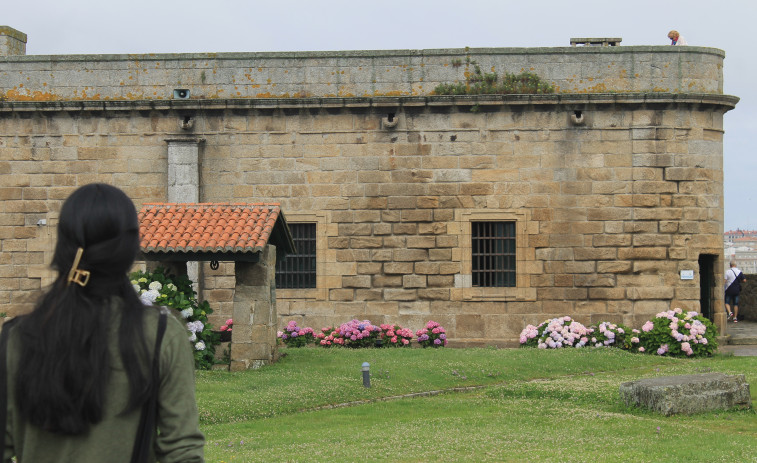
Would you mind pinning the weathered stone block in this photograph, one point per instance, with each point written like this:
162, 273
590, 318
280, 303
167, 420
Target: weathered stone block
688, 394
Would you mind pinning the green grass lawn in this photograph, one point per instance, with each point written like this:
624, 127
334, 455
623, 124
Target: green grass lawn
485, 405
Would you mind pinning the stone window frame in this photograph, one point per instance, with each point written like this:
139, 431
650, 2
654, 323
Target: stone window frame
464, 289
318, 293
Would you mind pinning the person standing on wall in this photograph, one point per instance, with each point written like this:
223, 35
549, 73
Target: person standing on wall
676, 38
91, 372
733, 280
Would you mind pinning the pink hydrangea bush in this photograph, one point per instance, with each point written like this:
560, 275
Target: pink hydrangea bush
563, 332
294, 336
607, 334
433, 335
679, 334
359, 333
395, 336
329, 337
228, 325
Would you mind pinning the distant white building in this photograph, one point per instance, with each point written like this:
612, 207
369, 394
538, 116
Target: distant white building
740, 246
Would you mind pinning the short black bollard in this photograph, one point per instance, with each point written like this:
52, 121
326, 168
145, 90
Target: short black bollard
366, 374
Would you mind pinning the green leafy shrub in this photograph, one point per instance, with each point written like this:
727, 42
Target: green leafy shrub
480, 83
160, 288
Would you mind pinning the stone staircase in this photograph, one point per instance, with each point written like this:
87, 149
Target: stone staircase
741, 339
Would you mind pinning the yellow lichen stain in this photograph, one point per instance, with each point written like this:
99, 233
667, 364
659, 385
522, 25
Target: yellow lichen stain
591, 79
636, 75
268, 81
286, 71
342, 73
492, 69
531, 69
260, 69
392, 93
599, 88
16, 95
446, 64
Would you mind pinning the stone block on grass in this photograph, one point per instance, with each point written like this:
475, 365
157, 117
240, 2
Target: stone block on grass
687, 394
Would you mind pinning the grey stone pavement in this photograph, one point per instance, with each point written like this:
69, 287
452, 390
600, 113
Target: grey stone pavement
742, 339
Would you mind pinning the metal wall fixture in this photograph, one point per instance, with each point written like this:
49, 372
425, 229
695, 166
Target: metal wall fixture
181, 93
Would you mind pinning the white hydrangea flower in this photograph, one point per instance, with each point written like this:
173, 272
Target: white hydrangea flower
195, 326
193, 338
156, 286
186, 313
148, 297
171, 286
200, 346
136, 287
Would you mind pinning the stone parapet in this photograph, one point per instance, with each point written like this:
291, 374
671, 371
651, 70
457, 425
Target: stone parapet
352, 73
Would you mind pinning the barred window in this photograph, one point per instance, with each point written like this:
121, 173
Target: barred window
297, 270
493, 254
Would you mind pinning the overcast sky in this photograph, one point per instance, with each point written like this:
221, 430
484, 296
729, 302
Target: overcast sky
168, 26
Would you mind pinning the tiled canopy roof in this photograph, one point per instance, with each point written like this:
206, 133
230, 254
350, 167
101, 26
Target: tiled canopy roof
209, 227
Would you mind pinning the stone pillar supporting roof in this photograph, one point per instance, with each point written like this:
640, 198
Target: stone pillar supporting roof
212, 231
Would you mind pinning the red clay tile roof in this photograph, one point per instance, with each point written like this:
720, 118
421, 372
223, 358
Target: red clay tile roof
207, 227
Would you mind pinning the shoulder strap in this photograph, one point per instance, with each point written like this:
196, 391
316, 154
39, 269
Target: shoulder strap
4, 377
146, 430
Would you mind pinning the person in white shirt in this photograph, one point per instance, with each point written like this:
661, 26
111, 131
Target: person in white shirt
676, 38
733, 280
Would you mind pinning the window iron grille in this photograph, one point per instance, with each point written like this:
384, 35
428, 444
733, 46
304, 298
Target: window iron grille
297, 270
493, 254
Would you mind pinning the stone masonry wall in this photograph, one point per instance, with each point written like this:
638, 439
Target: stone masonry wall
614, 188
607, 213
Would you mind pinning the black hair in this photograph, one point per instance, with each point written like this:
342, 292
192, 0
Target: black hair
64, 363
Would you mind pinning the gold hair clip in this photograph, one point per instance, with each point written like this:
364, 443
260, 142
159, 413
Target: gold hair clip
80, 277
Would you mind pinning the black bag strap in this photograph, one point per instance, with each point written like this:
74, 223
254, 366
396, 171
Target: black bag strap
147, 426
4, 376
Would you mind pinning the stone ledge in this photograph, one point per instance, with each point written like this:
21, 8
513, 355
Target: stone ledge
688, 394
727, 102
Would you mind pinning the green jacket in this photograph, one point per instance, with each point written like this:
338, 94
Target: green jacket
111, 440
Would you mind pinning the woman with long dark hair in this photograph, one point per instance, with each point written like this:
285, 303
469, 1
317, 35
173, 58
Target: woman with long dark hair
81, 367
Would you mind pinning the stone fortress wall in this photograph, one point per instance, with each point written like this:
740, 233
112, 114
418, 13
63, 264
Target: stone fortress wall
614, 183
